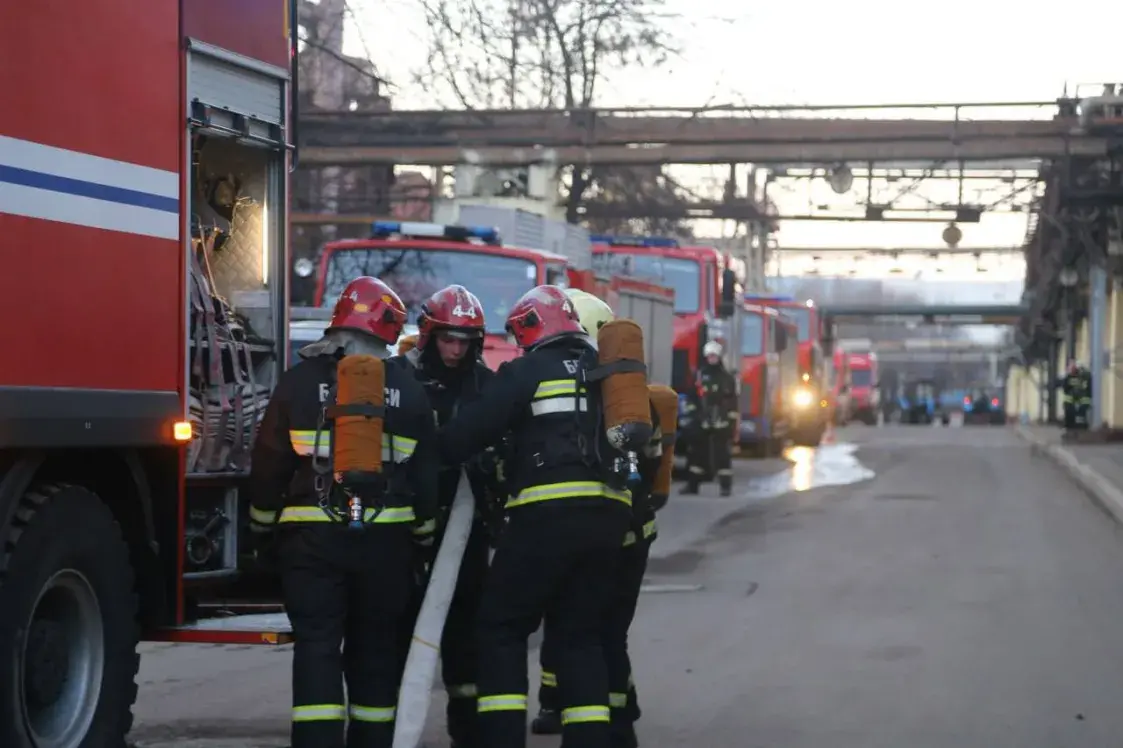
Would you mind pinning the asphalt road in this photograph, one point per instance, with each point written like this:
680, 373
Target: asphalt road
960, 593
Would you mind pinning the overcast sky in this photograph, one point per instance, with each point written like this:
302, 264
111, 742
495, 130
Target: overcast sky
819, 52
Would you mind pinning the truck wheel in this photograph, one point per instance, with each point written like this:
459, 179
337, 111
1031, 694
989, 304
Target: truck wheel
68, 609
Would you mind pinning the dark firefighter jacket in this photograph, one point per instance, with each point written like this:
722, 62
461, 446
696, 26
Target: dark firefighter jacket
282, 478
716, 403
447, 389
557, 449
1077, 386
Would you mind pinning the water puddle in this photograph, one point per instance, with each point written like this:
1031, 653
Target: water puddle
827, 465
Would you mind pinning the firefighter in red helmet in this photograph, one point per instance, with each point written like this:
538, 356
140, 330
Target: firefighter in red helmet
567, 516
448, 362
345, 584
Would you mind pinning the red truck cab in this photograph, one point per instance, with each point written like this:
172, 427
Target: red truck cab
693, 273
418, 259
808, 423
769, 379
864, 394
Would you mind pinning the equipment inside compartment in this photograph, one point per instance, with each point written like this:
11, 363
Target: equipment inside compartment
232, 360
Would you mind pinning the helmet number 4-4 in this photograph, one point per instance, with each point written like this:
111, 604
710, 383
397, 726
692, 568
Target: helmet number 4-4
461, 311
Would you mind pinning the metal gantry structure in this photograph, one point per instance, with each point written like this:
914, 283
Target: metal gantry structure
1031, 142
779, 135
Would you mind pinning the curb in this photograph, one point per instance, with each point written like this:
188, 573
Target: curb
1099, 489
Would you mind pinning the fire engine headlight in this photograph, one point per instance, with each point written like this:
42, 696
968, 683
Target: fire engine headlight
803, 398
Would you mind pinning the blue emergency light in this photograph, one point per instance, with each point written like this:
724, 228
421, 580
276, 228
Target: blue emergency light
419, 230
634, 241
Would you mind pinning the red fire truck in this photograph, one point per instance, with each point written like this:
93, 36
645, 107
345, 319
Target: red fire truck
417, 259
840, 398
144, 161
809, 422
865, 396
770, 378
698, 276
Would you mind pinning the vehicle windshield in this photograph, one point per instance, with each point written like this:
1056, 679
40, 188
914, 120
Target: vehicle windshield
801, 316
684, 276
415, 274
861, 377
752, 335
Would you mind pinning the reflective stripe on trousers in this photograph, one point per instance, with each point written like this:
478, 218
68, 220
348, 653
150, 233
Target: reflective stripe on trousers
579, 489
504, 702
376, 714
462, 691
319, 713
575, 715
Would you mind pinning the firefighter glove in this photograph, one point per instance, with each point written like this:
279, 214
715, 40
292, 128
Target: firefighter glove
424, 533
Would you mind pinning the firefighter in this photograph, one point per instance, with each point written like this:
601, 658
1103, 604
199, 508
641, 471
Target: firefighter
448, 362
566, 519
342, 584
1076, 389
714, 412
631, 565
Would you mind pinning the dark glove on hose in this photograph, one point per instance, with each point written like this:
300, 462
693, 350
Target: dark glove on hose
263, 537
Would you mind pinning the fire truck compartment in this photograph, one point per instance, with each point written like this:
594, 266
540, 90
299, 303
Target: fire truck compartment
235, 314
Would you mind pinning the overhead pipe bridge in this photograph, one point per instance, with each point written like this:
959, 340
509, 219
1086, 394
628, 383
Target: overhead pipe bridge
759, 135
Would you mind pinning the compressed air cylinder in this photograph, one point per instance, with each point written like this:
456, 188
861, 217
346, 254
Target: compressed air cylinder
665, 401
357, 442
424, 651
627, 410
406, 343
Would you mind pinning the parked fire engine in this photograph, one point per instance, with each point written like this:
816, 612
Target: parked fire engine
809, 422
160, 215
840, 398
698, 277
865, 394
769, 380
417, 259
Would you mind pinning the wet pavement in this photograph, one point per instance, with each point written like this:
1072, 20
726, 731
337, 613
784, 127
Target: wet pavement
928, 587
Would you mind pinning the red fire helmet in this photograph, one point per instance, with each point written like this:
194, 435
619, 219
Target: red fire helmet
369, 305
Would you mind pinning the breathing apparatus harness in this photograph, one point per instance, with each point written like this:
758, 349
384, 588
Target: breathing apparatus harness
344, 496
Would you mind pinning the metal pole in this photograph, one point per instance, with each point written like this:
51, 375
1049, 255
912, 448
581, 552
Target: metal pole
1097, 314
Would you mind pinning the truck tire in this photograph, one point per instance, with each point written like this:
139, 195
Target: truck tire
68, 607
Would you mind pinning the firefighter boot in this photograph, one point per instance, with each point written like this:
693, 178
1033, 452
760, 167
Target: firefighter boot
548, 722
691, 488
725, 484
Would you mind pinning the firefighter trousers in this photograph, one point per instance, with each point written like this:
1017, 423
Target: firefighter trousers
348, 589
623, 703
458, 639
710, 453
557, 561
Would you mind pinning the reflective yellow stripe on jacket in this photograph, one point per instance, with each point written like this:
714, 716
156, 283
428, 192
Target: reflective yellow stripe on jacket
558, 396
577, 489
563, 396
394, 448
386, 516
